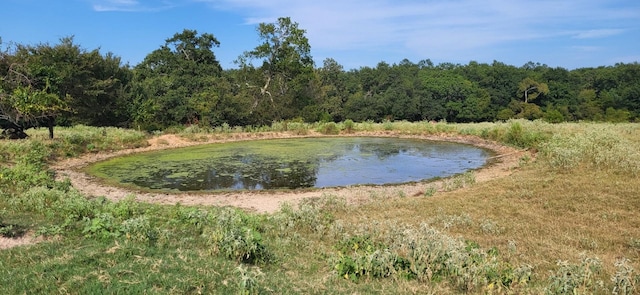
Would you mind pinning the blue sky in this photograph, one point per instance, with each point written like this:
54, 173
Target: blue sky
559, 33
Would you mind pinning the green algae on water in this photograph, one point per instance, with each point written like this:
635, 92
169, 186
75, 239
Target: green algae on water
291, 164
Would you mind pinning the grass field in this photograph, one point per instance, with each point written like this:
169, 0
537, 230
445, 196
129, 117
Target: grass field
566, 221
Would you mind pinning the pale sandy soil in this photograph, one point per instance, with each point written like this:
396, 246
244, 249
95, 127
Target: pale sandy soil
503, 164
27, 239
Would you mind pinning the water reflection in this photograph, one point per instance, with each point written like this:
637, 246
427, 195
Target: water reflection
295, 163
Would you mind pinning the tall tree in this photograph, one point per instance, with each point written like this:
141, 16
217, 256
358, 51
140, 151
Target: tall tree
285, 71
178, 83
531, 89
334, 92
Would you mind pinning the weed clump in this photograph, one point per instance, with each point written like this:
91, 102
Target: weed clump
235, 235
349, 126
424, 254
580, 278
599, 149
459, 181
329, 128
311, 216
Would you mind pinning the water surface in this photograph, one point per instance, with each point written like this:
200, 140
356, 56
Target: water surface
292, 163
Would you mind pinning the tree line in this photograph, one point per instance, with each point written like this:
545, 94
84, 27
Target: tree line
182, 83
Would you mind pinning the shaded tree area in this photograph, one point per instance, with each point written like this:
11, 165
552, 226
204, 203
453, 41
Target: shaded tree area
281, 84
45, 85
182, 83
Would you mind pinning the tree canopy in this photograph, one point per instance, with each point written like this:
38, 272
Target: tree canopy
182, 83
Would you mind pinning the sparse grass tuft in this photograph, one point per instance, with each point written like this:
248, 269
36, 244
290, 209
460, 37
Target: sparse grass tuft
459, 181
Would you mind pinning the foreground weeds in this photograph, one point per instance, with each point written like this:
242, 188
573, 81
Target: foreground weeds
565, 222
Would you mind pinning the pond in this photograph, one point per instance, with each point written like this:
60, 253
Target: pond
292, 164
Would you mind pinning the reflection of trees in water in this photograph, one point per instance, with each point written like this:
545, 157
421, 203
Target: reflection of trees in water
238, 172
295, 174
384, 150
381, 151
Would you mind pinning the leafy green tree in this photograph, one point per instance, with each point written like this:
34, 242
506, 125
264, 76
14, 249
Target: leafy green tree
102, 99
26, 107
501, 83
404, 92
463, 100
553, 114
26, 96
334, 90
179, 83
286, 70
589, 108
505, 114
617, 116
531, 89
91, 85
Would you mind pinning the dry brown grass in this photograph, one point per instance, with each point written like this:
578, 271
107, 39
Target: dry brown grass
535, 216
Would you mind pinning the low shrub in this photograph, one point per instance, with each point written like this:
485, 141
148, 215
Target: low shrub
329, 128
349, 126
22, 177
519, 136
236, 235
424, 254
103, 226
360, 256
459, 181
139, 229
625, 280
580, 278
311, 215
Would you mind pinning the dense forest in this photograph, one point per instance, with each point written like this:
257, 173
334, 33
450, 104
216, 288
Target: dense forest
182, 83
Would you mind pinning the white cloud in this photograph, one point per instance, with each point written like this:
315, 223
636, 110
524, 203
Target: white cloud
587, 48
130, 5
383, 21
115, 5
589, 34
441, 29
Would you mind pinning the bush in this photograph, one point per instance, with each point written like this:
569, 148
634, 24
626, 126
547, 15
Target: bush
329, 128
576, 278
22, 177
360, 256
624, 280
102, 226
553, 116
139, 229
235, 235
349, 126
518, 136
311, 215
